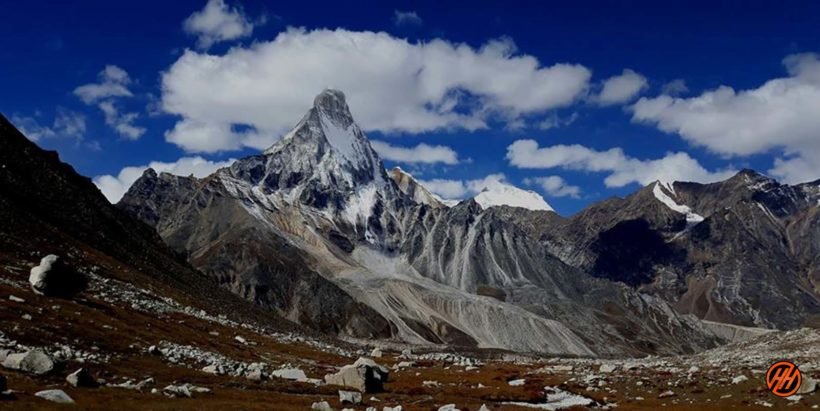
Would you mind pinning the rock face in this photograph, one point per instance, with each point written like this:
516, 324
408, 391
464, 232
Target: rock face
48, 207
363, 375
54, 278
35, 362
742, 251
315, 229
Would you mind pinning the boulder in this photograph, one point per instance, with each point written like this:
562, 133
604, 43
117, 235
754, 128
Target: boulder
52, 277
35, 362
58, 396
809, 385
350, 397
294, 374
81, 378
364, 375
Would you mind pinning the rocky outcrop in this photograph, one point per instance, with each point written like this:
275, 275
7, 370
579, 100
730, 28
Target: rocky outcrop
741, 251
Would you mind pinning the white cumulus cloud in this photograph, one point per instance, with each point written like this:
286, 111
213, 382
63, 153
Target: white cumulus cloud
555, 186
405, 18
114, 187
459, 189
66, 124
422, 153
112, 85
622, 169
391, 84
218, 22
621, 88
781, 114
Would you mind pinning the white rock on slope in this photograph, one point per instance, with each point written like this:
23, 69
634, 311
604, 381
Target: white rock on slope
38, 277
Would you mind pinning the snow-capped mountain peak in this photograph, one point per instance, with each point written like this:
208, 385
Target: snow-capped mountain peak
498, 193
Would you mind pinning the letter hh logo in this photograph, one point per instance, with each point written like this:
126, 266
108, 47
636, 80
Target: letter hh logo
783, 379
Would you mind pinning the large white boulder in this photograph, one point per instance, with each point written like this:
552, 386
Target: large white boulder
35, 362
38, 276
365, 375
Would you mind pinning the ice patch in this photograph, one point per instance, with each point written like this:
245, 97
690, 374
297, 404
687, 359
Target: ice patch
498, 194
691, 217
342, 139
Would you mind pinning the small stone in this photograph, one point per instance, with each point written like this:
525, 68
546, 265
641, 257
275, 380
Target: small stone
16, 299
739, 379
693, 369
376, 353
517, 383
153, 350
607, 368
58, 396
26, 317
666, 394
321, 406
350, 397
211, 369
255, 375
448, 407
240, 339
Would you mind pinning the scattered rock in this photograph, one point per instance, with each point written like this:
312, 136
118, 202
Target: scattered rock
52, 277
81, 378
430, 384
607, 368
693, 369
666, 394
184, 390
35, 362
448, 407
396, 408
739, 379
26, 317
16, 299
153, 350
321, 406
483, 408
517, 383
376, 353
240, 339
294, 374
58, 396
350, 397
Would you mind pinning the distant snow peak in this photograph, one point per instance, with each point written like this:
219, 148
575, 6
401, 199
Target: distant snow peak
691, 217
498, 193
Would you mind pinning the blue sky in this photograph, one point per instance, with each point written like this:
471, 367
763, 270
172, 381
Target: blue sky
577, 101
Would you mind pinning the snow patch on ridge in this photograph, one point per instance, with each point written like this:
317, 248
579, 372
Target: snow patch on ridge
498, 194
691, 217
